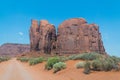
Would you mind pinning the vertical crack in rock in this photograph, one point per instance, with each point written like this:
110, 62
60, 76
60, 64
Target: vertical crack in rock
42, 36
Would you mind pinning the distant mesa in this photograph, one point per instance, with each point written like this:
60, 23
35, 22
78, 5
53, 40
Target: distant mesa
12, 49
73, 36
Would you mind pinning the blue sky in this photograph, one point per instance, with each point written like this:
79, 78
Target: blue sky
16, 15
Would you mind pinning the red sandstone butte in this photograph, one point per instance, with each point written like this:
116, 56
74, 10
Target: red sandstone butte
42, 36
73, 36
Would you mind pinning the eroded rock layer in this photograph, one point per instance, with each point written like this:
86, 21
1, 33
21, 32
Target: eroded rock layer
12, 49
76, 36
42, 36
73, 36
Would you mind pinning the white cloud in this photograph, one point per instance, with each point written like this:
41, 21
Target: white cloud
21, 33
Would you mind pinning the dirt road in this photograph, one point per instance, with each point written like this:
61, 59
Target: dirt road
14, 70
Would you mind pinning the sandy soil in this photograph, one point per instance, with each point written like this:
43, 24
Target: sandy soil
15, 70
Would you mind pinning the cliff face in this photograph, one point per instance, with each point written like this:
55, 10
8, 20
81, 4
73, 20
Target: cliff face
76, 36
10, 49
42, 36
73, 36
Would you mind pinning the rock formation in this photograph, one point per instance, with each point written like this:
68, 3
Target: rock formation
73, 36
76, 36
42, 36
10, 49
34, 36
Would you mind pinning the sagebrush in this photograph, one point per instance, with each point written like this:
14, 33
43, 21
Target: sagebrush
51, 61
59, 66
34, 61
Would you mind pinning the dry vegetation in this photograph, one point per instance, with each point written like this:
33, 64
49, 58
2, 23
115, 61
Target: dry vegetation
4, 58
90, 62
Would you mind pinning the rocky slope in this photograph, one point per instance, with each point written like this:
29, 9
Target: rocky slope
10, 49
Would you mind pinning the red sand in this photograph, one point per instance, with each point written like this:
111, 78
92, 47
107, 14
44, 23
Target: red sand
70, 73
22, 71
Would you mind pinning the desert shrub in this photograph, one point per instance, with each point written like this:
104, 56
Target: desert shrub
91, 56
59, 66
4, 59
63, 58
72, 57
115, 59
97, 64
116, 68
80, 65
86, 56
109, 64
87, 67
34, 61
51, 62
23, 59
105, 64
102, 65
116, 65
